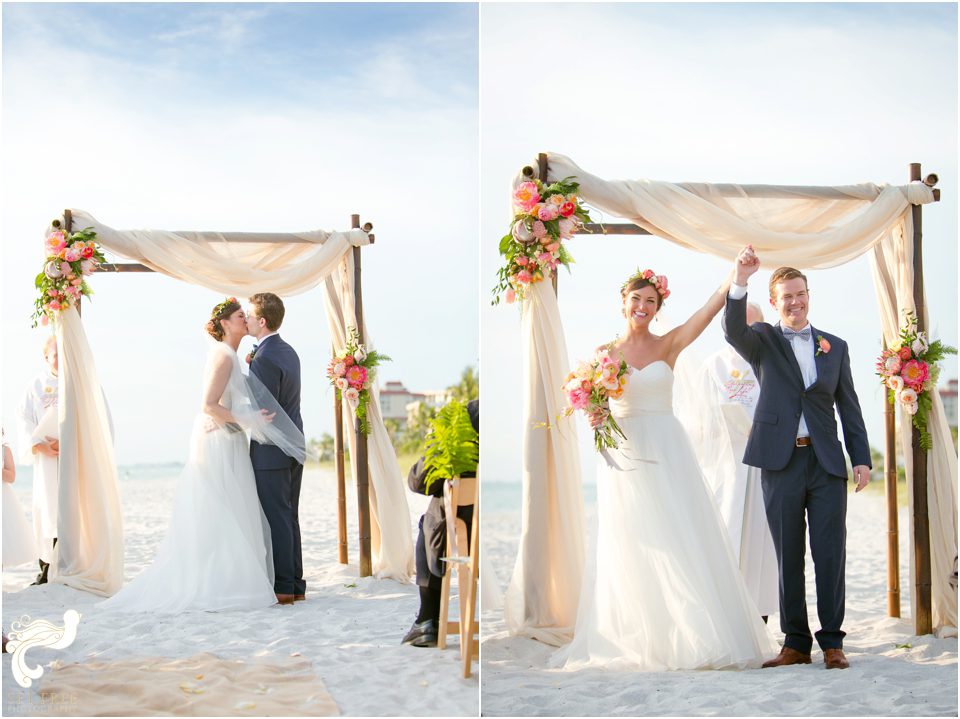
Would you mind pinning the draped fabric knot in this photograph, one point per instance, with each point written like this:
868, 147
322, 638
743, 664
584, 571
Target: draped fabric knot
803, 334
918, 193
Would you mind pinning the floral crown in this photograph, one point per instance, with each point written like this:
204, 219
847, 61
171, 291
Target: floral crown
658, 281
223, 305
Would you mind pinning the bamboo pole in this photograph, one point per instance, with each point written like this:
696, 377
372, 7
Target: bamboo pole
923, 621
341, 475
363, 470
893, 529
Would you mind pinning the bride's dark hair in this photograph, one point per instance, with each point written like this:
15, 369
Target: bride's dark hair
635, 283
221, 312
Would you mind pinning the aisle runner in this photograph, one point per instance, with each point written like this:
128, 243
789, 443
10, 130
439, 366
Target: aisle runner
202, 685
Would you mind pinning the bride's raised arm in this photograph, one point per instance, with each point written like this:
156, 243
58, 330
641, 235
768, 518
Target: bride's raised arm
681, 337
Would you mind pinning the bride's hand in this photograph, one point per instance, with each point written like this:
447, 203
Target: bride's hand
210, 425
267, 416
596, 419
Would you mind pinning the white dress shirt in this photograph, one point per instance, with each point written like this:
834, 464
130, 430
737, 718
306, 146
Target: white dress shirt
803, 350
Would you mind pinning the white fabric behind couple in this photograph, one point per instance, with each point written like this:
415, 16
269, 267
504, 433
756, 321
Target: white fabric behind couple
91, 541
805, 227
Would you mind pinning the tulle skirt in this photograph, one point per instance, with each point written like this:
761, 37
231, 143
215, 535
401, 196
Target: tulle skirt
18, 544
664, 590
216, 553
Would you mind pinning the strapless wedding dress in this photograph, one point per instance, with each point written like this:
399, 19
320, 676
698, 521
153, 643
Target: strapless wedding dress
664, 590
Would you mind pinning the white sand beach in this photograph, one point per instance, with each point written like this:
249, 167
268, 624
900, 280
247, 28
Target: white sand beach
349, 629
892, 672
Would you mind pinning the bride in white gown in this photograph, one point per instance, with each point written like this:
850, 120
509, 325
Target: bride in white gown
664, 591
216, 553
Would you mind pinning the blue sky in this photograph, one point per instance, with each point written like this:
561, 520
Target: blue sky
805, 94
248, 116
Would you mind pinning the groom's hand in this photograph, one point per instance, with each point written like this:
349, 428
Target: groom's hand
861, 474
746, 264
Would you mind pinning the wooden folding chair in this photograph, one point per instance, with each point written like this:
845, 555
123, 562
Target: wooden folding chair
462, 559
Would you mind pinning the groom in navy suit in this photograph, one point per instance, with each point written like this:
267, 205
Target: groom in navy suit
276, 364
804, 374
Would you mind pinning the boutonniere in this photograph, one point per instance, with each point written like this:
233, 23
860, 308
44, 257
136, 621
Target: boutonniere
823, 346
251, 354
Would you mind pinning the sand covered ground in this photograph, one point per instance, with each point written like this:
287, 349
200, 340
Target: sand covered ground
349, 628
884, 679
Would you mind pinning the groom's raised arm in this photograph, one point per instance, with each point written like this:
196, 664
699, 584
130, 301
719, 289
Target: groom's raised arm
735, 329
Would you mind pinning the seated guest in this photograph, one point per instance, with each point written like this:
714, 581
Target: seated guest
432, 545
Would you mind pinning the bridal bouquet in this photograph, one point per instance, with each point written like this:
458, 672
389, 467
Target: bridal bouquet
69, 259
909, 371
351, 372
544, 216
590, 387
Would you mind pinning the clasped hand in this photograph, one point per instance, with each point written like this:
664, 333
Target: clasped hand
50, 447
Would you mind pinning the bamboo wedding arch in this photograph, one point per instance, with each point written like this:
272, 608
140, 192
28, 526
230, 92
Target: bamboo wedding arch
362, 464
920, 540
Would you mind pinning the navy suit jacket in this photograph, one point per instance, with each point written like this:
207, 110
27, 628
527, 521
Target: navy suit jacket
277, 365
783, 396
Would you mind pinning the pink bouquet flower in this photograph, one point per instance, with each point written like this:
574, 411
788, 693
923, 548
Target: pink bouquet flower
909, 371
589, 389
351, 371
544, 216
69, 258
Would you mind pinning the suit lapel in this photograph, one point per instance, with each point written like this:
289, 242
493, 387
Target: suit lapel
819, 358
787, 350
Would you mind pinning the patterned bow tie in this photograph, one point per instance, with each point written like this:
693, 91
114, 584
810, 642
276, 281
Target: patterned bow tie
803, 334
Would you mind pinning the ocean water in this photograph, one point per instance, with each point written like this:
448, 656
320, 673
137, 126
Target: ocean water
506, 497
166, 470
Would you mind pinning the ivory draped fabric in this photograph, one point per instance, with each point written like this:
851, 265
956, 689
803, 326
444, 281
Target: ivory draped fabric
390, 533
805, 227
239, 264
89, 551
541, 599
892, 265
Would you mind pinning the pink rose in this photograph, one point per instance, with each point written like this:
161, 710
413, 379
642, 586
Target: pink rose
539, 229
352, 395
553, 247
912, 408
511, 296
86, 252
904, 353
895, 383
521, 233
579, 399
524, 277
77, 282
521, 260
907, 396
341, 383
526, 196
567, 209
663, 282
544, 258
65, 268
647, 274
71, 255
53, 293
54, 305
547, 213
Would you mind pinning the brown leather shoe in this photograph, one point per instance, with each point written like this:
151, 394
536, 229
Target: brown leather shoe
299, 597
834, 659
284, 599
786, 657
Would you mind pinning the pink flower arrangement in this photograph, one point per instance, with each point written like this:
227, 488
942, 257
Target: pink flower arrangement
589, 389
659, 282
544, 216
69, 258
351, 372
909, 371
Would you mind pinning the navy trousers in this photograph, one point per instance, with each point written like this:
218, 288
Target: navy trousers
279, 492
801, 492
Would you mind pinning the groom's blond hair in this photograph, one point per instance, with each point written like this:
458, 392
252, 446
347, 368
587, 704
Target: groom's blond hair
782, 274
